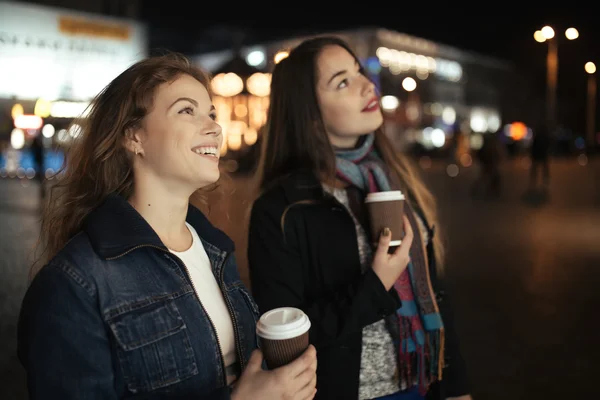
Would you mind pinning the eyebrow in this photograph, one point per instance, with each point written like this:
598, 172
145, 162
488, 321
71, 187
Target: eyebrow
340, 73
194, 102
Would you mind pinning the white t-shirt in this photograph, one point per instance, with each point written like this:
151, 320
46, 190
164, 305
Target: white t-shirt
207, 289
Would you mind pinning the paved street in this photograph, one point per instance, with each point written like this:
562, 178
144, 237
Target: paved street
524, 274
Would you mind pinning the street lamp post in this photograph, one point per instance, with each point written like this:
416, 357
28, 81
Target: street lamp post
552, 78
547, 34
590, 68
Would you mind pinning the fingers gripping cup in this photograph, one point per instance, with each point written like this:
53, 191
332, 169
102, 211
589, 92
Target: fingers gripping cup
386, 210
283, 333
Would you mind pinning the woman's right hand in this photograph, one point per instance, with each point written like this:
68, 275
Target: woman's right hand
294, 381
388, 267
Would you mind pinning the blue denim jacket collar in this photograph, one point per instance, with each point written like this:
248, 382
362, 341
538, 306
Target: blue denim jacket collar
115, 227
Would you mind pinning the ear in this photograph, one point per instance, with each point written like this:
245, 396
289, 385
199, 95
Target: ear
132, 141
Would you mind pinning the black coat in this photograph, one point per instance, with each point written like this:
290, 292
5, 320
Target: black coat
303, 252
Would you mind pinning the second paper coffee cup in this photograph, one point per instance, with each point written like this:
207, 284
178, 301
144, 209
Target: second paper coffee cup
386, 210
283, 333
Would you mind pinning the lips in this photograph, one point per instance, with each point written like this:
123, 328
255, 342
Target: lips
210, 150
372, 105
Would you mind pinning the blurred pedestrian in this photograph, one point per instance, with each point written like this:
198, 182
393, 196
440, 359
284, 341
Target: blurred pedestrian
39, 151
540, 154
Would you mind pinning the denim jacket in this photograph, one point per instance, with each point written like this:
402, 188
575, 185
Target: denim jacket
114, 315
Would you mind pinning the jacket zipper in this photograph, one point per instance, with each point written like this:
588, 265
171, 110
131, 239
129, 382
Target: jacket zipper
233, 318
212, 325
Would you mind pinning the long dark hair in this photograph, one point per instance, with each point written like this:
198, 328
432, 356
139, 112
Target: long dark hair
295, 136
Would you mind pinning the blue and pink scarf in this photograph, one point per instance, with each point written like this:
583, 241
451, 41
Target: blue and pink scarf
421, 341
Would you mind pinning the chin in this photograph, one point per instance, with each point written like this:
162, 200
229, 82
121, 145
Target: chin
207, 179
372, 128
375, 121
378, 120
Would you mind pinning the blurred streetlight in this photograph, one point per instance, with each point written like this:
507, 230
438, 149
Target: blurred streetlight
539, 37
546, 34
241, 98
16, 111
572, 33
590, 68
409, 84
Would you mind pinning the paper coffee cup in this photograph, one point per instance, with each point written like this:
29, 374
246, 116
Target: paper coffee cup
283, 334
386, 210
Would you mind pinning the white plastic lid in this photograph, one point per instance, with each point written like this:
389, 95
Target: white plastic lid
385, 196
282, 323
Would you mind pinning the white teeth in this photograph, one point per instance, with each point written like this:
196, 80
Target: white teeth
210, 150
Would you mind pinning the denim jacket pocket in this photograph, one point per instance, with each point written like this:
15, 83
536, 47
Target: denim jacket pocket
250, 302
154, 349
253, 308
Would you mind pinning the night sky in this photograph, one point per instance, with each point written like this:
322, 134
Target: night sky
505, 34
496, 33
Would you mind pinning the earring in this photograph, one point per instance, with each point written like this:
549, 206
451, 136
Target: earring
136, 152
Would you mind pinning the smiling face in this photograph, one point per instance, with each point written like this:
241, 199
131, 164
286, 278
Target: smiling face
179, 140
347, 99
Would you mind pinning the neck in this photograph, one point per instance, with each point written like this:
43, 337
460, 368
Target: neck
343, 142
164, 208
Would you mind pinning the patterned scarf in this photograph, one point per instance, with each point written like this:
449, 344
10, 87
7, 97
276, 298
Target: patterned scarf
421, 341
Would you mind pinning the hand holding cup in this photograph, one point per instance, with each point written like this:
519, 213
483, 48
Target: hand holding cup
388, 267
294, 381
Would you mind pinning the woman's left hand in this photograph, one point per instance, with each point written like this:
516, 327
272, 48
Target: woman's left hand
465, 397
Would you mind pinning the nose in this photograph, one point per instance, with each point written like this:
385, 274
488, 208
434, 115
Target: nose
214, 129
369, 86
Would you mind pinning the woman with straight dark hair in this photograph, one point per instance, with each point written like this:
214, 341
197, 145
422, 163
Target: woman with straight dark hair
139, 295
379, 321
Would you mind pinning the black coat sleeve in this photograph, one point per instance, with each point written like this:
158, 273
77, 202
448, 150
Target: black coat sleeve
277, 275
